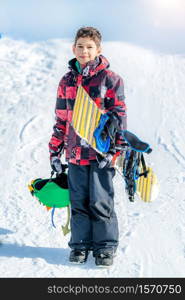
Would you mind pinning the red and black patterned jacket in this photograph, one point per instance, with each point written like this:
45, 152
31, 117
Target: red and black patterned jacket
105, 88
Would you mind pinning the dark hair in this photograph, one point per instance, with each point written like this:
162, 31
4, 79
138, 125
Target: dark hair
91, 32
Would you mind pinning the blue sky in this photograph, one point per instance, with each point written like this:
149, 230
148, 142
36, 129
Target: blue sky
156, 24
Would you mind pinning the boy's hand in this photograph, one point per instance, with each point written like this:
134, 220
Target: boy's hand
106, 161
56, 164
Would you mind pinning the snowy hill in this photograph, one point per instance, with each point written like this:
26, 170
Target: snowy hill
152, 236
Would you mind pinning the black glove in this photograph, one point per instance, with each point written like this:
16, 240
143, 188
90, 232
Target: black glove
56, 164
112, 125
105, 161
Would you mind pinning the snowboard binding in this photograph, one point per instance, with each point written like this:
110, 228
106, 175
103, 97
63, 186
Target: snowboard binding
132, 171
138, 177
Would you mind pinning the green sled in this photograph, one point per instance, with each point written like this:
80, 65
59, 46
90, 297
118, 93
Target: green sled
53, 193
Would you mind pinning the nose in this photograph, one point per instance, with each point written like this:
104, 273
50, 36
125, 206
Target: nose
84, 50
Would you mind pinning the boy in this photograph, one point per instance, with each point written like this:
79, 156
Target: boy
94, 225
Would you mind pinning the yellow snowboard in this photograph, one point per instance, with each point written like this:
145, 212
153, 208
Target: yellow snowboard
148, 188
86, 117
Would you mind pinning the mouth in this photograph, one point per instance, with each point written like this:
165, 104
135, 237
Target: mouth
83, 56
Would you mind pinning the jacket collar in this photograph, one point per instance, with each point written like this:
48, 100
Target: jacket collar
91, 68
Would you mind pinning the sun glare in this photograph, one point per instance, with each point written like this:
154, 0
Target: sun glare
167, 13
168, 4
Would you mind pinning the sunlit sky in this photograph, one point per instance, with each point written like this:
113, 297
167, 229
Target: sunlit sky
155, 24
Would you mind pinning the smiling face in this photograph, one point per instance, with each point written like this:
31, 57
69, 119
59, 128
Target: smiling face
85, 50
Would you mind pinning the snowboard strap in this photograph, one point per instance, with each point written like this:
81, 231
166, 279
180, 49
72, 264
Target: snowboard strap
145, 172
131, 167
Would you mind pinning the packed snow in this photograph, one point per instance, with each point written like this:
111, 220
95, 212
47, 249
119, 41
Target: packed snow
152, 235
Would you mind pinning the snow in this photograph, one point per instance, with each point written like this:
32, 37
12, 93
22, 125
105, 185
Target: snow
152, 235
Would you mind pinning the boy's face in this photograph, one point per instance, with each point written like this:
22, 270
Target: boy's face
86, 50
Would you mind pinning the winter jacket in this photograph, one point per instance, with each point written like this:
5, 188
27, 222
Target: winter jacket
105, 88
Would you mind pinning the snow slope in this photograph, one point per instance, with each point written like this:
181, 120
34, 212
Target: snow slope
152, 236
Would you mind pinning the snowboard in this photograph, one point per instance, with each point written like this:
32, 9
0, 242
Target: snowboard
86, 117
86, 120
147, 188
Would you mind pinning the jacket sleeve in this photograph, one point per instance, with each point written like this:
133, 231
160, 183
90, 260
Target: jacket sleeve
56, 142
115, 103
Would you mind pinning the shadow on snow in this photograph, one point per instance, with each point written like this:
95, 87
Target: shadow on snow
51, 255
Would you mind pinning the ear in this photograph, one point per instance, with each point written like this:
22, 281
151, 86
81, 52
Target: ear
99, 50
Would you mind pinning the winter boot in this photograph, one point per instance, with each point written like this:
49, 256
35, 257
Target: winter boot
78, 256
104, 259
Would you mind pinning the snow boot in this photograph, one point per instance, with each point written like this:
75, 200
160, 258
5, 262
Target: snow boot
104, 259
78, 256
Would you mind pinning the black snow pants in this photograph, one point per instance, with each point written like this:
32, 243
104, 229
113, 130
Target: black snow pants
94, 224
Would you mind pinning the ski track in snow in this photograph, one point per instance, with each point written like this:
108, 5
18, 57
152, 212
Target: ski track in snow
25, 127
152, 235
